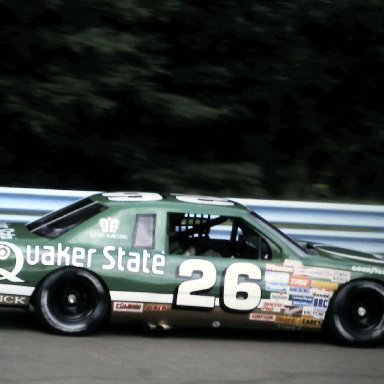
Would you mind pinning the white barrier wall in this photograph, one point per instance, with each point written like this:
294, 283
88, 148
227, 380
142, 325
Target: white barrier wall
359, 226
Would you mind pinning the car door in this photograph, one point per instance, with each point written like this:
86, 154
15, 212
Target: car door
223, 267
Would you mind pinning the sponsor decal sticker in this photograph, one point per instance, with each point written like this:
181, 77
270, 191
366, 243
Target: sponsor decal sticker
279, 296
315, 272
314, 312
115, 258
319, 314
310, 323
300, 281
340, 277
308, 311
370, 270
334, 275
321, 293
276, 287
320, 303
157, 307
288, 320
293, 311
324, 284
125, 306
302, 300
293, 263
14, 300
279, 268
261, 317
6, 233
272, 306
277, 277
109, 227
109, 224
298, 291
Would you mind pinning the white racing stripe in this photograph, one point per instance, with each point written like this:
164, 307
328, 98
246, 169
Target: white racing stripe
142, 297
10, 289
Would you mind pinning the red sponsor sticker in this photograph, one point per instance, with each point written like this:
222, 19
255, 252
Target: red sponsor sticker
271, 306
300, 281
262, 317
157, 307
125, 306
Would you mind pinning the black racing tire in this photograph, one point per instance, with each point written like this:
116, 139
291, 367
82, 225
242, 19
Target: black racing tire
356, 313
72, 301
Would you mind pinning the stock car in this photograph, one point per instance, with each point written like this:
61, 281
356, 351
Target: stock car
182, 260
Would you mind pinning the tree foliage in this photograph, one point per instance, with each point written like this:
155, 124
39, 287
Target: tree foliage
278, 99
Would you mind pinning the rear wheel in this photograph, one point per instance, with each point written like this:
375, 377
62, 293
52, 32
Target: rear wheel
356, 314
72, 301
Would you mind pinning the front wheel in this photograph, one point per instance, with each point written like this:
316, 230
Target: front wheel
356, 314
72, 301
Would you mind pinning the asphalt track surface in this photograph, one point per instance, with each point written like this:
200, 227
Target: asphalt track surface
121, 354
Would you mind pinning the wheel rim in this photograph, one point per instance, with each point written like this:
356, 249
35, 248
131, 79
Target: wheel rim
363, 312
73, 300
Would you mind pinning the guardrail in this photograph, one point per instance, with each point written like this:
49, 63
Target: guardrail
354, 226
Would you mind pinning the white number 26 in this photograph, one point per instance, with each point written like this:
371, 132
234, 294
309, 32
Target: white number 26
236, 295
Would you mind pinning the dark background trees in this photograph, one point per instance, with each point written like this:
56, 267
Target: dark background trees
274, 99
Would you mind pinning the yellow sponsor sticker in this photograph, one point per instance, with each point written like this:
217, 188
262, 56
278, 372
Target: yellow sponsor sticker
309, 322
324, 284
286, 320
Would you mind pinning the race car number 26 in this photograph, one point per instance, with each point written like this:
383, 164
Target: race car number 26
235, 294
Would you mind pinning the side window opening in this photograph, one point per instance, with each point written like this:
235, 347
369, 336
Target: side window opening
211, 235
144, 235
251, 243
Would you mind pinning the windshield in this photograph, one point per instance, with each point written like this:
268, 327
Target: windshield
267, 223
58, 222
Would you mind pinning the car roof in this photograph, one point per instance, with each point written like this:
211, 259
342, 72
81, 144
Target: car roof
170, 201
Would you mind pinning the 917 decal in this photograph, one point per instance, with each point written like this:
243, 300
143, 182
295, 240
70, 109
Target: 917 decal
235, 295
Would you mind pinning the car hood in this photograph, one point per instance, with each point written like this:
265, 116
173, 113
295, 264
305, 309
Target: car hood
342, 254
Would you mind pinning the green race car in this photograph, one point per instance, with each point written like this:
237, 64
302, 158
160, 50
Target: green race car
183, 260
